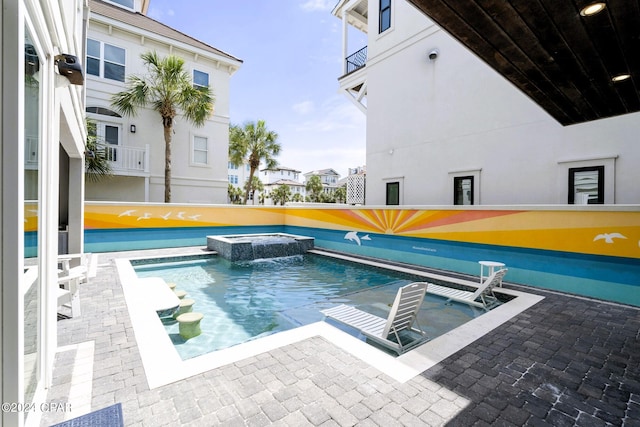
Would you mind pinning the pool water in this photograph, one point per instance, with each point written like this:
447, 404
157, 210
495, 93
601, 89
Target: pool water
245, 300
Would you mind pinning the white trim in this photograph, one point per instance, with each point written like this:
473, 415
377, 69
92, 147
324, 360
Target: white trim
589, 159
562, 180
102, 60
192, 157
392, 19
136, 32
157, 352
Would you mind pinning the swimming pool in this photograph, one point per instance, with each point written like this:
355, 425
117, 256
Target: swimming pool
245, 300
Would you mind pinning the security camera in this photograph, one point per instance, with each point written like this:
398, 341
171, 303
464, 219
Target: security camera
433, 54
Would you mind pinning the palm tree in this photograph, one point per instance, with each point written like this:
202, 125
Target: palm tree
341, 194
167, 89
97, 166
281, 194
314, 188
254, 143
234, 194
256, 185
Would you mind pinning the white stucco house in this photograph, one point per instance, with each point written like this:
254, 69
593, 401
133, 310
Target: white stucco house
42, 166
281, 175
119, 32
329, 178
238, 175
444, 128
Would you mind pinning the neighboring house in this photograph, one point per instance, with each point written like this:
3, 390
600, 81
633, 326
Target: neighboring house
238, 174
295, 187
269, 176
282, 175
328, 177
42, 141
444, 128
119, 32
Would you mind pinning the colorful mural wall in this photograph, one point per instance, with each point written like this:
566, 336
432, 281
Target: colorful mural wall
591, 252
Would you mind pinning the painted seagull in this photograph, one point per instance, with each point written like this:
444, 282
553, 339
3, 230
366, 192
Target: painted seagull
608, 237
146, 215
127, 213
353, 236
181, 215
165, 216
194, 217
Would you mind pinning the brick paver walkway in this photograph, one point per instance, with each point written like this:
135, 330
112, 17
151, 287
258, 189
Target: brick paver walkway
565, 361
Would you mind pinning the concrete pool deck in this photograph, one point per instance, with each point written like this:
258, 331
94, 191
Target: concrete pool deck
563, 361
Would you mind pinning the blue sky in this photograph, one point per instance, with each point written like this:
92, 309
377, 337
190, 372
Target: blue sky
292, 59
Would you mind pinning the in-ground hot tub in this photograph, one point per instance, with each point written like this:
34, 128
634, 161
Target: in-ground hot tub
245, 247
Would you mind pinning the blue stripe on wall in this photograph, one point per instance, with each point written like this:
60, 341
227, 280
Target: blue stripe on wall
609, 278
153, 238
611, 269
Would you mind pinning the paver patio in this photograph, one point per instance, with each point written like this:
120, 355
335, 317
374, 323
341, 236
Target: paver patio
565, 361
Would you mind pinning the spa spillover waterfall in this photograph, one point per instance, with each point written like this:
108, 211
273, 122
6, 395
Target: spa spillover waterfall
245, 247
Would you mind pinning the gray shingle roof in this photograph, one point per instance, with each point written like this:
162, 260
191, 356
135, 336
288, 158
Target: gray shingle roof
143, 22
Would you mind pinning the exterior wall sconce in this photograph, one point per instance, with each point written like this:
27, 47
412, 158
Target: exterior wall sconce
69, 67
132, 128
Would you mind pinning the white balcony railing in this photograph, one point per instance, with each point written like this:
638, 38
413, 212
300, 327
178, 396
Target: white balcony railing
127, 160
124, 160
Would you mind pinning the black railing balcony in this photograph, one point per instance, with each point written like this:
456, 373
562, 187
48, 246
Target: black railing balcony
356, 60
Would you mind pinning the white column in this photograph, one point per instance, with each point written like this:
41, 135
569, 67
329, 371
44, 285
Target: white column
48, 221
345, 40
12, 208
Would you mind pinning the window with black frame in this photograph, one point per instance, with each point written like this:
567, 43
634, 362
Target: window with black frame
463, 190
586, 185
393, 193
385, 15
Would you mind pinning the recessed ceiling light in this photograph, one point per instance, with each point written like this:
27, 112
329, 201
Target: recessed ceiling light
592, 9
620, 77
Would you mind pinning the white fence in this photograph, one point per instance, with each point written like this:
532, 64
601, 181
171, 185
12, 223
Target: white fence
126, 160
355, 189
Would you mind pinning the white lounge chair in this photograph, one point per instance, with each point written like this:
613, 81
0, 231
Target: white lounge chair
67, 292
479, 298
84, 264
386, 332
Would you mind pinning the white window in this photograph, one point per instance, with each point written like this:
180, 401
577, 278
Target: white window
105, 60
126, 3
200, 79
200, 151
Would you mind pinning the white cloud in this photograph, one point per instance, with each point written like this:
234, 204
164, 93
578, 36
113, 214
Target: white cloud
304, 107
313, 5
335, 113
